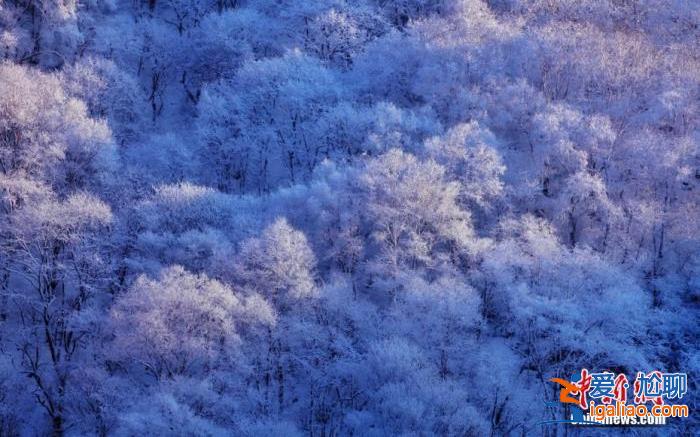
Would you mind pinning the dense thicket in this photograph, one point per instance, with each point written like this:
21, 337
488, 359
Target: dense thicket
395, 217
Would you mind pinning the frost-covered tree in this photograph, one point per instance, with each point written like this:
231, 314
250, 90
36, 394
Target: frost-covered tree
56, 266
268, 135
279, 264
412, 214
184, 323
48, 135
470, 153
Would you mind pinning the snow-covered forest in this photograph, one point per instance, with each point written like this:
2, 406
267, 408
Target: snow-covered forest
342, 217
